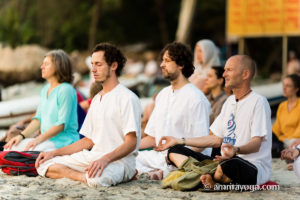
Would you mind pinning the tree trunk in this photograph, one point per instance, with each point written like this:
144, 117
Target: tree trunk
186, 15
164, 34
94, 24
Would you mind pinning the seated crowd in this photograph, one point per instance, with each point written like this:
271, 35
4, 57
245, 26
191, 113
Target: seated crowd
234, 131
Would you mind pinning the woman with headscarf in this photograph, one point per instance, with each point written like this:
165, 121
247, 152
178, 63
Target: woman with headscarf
205, 56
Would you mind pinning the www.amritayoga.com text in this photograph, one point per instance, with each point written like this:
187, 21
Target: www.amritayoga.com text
241, 188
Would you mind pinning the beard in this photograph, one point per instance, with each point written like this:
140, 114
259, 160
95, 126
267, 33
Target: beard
170, 76
107, 76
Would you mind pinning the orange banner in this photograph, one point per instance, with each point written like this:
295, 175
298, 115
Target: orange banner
254, 18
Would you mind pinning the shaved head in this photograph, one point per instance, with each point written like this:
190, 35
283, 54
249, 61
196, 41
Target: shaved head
245, 62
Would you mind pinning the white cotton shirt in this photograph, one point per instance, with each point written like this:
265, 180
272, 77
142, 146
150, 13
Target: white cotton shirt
109, 119
180, 113
239, 121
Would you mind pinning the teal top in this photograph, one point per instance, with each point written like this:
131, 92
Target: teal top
60, 107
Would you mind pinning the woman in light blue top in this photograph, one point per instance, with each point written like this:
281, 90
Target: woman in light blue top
56, 115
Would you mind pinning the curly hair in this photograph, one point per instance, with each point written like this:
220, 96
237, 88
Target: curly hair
182, 55
111, 54
63, 65
296, 82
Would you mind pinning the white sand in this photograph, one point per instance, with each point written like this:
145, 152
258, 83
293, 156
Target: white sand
22, 187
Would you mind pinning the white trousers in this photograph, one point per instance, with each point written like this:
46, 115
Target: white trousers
116, 172
44, 146
147, 161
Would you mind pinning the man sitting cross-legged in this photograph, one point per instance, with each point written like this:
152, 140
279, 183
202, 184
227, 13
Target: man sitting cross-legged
111, 129
181, 110
243, 130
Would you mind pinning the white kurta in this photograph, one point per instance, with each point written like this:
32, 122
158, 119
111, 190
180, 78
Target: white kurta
239, 121
108, 121
179, 113
111, 118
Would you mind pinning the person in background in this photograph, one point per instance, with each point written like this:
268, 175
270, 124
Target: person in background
287, 125
215, 83
151, 67
94, 90
16, 129
134, 67
206, 55
293, 65
56, 115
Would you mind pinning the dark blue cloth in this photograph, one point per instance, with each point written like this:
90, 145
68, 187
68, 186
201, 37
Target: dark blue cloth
80, 116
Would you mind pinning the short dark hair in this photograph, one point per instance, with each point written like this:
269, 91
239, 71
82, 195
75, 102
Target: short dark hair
111, 54
62, 64
296, 82
219, 70
182, 55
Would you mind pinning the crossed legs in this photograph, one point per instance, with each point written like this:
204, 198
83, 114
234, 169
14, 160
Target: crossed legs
207, 180
236, 169
74, 166
57, 171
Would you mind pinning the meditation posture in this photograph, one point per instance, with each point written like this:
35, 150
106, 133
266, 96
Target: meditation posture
287, 125
181, 110
106, 155
243, 130
56, 115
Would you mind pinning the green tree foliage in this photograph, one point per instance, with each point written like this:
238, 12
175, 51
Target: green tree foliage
73, 24
16, 23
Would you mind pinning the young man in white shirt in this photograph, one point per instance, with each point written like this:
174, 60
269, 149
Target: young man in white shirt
111, 129
181, 110
243, 130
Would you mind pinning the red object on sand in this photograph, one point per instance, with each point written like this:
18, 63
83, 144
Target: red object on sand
268, 183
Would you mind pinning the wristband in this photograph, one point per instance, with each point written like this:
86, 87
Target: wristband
23, 136
237, 150
182, 141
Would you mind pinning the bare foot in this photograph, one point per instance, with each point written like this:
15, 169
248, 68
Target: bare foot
290, 166
207, 181
156, 175
82, 178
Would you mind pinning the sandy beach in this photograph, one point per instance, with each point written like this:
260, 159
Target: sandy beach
22, 187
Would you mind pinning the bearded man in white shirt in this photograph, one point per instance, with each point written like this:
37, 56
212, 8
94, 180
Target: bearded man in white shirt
181, 110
